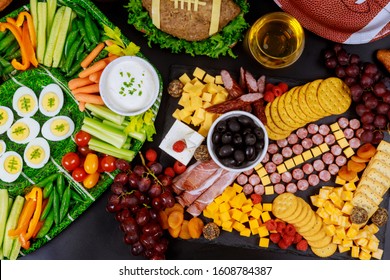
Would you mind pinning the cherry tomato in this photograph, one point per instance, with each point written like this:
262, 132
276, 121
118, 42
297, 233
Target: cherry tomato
178, 167
91, 163
107, 163
70, 161
79, 174
91, 180
82, 138
84, 151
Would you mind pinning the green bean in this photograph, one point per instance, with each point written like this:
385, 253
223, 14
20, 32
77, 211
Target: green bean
56, 206
90, 29
70, 39
45, 181
47, 224
83, 33
48, 207
65, 202
72, 54
48, 189
60, 184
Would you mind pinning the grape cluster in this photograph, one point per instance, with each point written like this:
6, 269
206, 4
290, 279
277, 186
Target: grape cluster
137, 196
370, 90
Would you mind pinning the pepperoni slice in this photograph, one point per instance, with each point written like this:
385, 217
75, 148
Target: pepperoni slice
308, 168
291, 188
354, 124
270, 167
307, 143
266, 158
249, 172
254, 179
259, 189
277, 158
273, 148
349, 133
312, 128
275, 178
313, 180
247, 189
318, 165
279, 188
324, 175
343, 122
297, 149
318, 139
336, 150
328, 158
298, 174
302, 133
341, 160
302, 185
330, 139
282, 143
287, 152
242, 179
292, 139
354, 143
359, 132
333, 169
286, 177
324, 129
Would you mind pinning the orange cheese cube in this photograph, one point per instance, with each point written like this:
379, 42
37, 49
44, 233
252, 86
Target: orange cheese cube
263, 231
264, 242
245, 232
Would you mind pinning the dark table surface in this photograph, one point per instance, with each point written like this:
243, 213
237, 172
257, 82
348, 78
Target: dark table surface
95, 234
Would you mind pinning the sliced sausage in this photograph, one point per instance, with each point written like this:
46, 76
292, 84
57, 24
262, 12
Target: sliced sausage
302, 185
232, 87
261, 84
277, 158
354, 143
282, 143
343, 122
307, 143
242, 179
349, 133
312, 128
354, 124
266, 158
251, 82
249, 172
270, 167
313, 180
359, 132
328, 158
302, 133
254, 179
308, 168
287, 152
297, 149
298, 174
247, 189
324, 129
318, 165
333, 169
275, 178
236, 103
330, 139
273, 148
318, 139
324, 175
341, 160
279, 188
259, 189
291, 188
286, 177
292, 139
336, 150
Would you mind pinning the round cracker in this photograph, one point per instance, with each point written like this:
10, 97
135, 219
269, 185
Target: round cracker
309, 216
303, 104
284, 116
297, 109
276, 117
284, 205
325, 251
321, 242
334, 96
318, 236
288, 106
297, 213
276, 136
312, 100
309, 224
271, 124
303, 214
314, 229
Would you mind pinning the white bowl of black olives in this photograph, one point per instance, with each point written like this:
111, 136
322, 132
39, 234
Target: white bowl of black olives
237, 141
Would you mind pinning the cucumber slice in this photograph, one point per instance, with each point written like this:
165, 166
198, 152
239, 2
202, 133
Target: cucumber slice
33, 11
61, 38
48, 59
12, 222
3, 212
51, 11
41, 34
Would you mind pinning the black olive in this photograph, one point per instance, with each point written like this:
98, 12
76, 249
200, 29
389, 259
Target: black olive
225, 151
237, 139
259, 133
259, 146
239, 156
250, 139
216, 138
245, 121
229, 162
246, 131
234, 125
250, 153
221, 126
227, 137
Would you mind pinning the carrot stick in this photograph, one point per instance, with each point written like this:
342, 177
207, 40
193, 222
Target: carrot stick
92, 55
81, 106
78, 82
97, 66
92, 88
89, 98
108, 43
95, 77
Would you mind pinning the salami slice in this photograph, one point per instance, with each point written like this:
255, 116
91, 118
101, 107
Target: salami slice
302, 133
312, 128
247, 189
308, 168
291, 188
286, 177
282, 143
279, 188
349, 133
297, 149
343, 122
266, 158
249, 172
232, 87
251, 82
303, 185
341, 160
318, 165
298, 174
318, 139
287, 152
254, 179
235, 103
270, 167
324, 175
359, 132
275, 178
258, 109
261, 84
277, 158
292, 139
242, 179
307, 143
241, 81
259, 189
330, 139
273, 148
336, 150
354, 124
328, 158
354, 143
324, 129
313, 180
333, 169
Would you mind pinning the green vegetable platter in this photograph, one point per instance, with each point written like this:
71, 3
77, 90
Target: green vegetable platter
67, 197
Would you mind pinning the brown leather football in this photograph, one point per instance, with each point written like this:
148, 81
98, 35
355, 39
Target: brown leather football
192, 20
4, 4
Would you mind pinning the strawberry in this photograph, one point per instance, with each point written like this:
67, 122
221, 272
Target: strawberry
151, 155
269, 96
302, 245
179, 146
179, 168
169, 172
256, 198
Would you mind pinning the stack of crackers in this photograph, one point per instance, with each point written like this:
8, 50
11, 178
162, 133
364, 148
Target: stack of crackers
304, 104
375, 180
294, 210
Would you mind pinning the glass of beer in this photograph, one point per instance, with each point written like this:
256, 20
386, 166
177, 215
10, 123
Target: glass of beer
275, 40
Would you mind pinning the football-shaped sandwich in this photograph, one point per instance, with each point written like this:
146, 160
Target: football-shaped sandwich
192, 20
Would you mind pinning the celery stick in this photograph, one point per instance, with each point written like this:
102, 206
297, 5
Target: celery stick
61, 38
51, 11
113, 139
3, 212
1, 253
118, 153
41, 32
33, 11
15, 249
105, 113
138, 135
54, 31
12, 222
102, 126
114, 125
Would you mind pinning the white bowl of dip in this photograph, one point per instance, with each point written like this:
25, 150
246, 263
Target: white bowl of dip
129, 85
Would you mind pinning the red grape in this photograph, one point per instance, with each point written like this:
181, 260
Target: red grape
371, 102
386, 97
361, 109
354, 59
377, 137
367, 136
382, 108
356, 92
366, 81
352, 70
379, 89
380, 121
367, 117
331, 62
370, 69
122, 165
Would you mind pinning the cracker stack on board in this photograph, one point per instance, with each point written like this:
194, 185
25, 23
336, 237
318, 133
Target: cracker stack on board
304, 104
375, 180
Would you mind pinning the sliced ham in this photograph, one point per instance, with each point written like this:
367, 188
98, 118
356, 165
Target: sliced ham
177, 183
199, 175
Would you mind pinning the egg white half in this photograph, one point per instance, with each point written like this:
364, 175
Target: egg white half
32, 125
48, 134
56, 92
32, 108
10, 119
44, 145
4, 174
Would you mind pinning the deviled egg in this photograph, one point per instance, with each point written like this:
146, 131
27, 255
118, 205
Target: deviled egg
51, 100
37, 153
6, 119
11, 165
25, 102
23, 130
58, 128
3, 147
